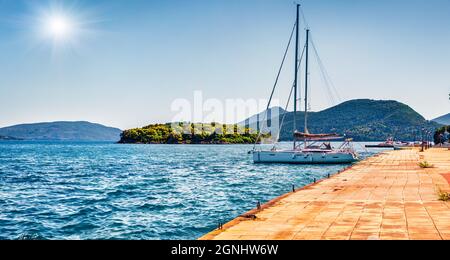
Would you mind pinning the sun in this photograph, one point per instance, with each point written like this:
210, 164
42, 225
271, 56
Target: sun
58, 26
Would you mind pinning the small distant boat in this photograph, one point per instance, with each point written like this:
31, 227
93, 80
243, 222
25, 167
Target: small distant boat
390, 143
308, 148
407, 145
387, 144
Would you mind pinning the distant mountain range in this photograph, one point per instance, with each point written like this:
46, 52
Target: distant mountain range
61, 131
363, 120
443, 120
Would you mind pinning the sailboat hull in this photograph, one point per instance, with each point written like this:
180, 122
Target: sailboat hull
291, 157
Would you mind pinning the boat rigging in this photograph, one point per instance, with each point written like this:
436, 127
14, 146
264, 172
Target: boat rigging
306, 146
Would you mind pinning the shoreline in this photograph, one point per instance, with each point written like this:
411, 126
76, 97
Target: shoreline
251, 214
372, 199
281, 142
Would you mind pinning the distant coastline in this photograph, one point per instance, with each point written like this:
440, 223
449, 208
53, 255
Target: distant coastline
9, 138
362, 120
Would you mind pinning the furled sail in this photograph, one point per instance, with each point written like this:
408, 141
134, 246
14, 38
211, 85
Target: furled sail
318, 137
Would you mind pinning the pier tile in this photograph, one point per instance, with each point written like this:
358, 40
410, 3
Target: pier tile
422, 229
424, 236
394, 235
365, 236
336, 236
227, 236
283, 235
394, 227
253, 237
308, 236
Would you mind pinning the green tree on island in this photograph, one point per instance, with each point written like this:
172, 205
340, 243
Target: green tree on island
190, 133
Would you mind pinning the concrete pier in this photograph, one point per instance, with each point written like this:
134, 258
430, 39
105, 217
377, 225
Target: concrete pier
386, 197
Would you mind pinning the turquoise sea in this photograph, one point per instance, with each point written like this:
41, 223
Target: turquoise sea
61, 190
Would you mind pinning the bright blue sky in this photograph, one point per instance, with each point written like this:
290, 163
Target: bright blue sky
133, 58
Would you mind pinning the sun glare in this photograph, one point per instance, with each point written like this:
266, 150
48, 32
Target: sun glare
62, 29
58, 27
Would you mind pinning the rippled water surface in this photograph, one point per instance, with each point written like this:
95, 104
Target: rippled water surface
110, 191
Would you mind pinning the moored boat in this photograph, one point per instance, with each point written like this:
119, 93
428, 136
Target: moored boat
308, 148
390, 143
341, 155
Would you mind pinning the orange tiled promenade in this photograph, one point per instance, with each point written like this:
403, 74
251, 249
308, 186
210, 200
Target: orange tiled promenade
384, 197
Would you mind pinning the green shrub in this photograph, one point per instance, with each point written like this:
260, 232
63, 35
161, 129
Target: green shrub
425, 164
444, 196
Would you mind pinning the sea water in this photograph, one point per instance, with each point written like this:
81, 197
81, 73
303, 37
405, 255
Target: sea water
63, 190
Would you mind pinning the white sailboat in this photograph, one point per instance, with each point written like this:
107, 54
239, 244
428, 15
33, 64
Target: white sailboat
308, 148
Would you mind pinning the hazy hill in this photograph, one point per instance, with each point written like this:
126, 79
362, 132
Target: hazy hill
259, 117
443, 120
62, 131
363, 120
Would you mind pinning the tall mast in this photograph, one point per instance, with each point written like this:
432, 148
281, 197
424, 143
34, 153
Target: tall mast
296, 70
306, 81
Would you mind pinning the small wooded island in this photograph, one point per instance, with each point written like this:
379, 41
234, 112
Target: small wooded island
187, 133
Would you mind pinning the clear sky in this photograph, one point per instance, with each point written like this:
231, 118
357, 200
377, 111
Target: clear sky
124, 62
